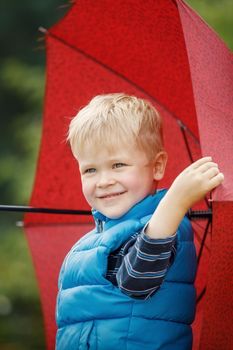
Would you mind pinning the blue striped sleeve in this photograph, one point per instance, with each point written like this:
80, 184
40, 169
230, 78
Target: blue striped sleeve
144, 266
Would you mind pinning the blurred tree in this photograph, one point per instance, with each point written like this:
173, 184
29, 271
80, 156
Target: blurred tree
219, 15
22, 88
22, 85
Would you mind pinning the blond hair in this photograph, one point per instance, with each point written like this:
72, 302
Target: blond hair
117, 119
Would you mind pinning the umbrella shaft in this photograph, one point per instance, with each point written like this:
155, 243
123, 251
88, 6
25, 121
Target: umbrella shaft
26, 209
192, 214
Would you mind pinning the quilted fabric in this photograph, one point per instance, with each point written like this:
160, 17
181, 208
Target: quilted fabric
94, 314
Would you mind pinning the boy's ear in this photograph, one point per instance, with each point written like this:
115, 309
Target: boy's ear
160, 162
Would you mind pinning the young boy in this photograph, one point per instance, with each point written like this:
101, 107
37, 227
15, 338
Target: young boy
128, 284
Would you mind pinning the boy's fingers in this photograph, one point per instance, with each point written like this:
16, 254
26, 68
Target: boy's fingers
206, 166
211, 172
201, 161
216, 180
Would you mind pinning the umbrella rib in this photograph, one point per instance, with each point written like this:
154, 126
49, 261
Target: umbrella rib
201, 295
87, 55
203, 243
183, 128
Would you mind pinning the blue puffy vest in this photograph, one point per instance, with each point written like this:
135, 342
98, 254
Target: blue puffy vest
94, 314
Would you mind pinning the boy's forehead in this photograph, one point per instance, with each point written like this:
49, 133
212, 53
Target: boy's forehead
113, 152
93, 147
97, 150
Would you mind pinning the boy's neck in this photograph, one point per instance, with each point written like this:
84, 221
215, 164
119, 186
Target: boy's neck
143, 208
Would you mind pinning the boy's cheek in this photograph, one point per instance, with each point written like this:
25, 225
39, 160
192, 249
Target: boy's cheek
86, 190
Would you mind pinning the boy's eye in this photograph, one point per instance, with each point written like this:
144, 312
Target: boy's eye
90, 171
118, 165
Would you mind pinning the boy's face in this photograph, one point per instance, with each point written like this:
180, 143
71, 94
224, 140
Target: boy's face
114, 181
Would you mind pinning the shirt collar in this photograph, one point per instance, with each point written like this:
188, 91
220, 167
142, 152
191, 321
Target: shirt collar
143, 208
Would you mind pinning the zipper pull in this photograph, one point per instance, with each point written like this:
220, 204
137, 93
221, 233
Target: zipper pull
99, 225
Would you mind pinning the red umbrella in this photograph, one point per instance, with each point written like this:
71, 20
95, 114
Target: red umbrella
163, 51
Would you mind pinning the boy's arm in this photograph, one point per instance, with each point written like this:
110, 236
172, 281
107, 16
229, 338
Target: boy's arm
188, 188
145, 265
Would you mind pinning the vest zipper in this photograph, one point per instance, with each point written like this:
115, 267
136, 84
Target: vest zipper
99, 225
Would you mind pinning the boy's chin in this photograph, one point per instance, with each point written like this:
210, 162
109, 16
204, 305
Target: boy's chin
114, 214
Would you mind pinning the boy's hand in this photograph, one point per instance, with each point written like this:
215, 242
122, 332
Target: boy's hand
195, 182
189, 187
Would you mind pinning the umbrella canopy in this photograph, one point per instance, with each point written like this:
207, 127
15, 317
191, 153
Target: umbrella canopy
163, 51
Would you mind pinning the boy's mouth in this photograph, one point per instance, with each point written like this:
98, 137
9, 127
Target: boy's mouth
111, 195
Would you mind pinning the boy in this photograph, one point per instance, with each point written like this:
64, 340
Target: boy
128, 284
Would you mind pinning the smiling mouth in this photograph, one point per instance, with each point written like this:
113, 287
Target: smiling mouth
111, 195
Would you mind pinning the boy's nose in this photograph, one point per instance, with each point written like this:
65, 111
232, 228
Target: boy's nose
105, 180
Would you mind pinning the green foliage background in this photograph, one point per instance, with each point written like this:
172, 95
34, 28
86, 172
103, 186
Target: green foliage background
22, 71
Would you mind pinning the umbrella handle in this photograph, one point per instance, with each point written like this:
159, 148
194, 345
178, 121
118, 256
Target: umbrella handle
199, 214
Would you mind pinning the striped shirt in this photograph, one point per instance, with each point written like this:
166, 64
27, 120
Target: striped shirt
139, 266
